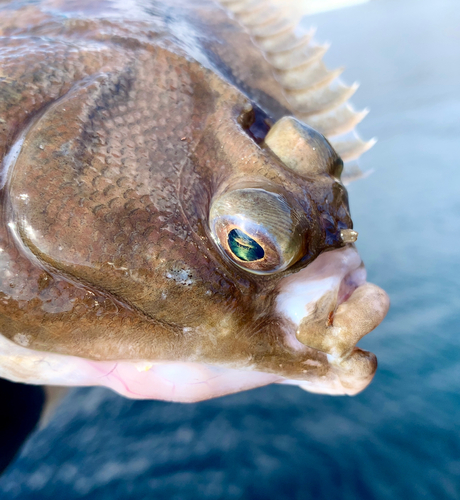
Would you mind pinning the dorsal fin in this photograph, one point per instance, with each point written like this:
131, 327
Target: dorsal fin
316, 94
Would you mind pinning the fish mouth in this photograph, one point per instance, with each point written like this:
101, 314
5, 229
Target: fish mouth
329, 306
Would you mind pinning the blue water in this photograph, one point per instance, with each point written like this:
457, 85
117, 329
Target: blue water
400, 439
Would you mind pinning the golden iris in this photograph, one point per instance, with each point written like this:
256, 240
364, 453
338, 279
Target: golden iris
244, 247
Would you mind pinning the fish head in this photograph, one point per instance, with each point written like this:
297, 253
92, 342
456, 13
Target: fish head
166, 236
277, 213
238, 268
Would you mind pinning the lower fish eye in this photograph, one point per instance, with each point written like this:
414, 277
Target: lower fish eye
262, 232
244, 247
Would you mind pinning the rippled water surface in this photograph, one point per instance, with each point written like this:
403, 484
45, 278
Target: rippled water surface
400, 439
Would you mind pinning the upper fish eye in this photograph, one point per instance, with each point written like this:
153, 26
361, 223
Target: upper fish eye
258, 230
255, 122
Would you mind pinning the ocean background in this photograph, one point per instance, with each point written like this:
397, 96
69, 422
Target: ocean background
400, 438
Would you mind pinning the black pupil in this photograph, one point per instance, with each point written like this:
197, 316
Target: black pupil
244, 247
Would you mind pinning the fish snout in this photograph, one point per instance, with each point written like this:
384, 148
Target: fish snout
330, 306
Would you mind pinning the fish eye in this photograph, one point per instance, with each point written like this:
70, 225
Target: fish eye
255, 122
244, 247
258, 230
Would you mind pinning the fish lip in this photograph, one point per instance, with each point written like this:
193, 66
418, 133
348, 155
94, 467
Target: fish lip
351, 282
357, 306
341, 270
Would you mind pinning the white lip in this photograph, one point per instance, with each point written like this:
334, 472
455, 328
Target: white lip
332, 292
338, 271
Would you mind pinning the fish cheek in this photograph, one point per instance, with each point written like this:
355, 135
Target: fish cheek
46, 313
115, 222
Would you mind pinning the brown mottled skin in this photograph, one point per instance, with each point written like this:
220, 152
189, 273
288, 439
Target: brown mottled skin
132, 127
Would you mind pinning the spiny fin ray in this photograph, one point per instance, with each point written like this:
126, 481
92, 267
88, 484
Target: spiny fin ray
296, 60
312, 101
352, 149
338, 121
307, 76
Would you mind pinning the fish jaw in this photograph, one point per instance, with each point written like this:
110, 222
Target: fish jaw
329, 306
332, 292
335, 279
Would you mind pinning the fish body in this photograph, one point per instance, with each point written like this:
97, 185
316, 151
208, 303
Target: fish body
171, 226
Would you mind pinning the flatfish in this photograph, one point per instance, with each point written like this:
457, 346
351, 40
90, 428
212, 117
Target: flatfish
175, 223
